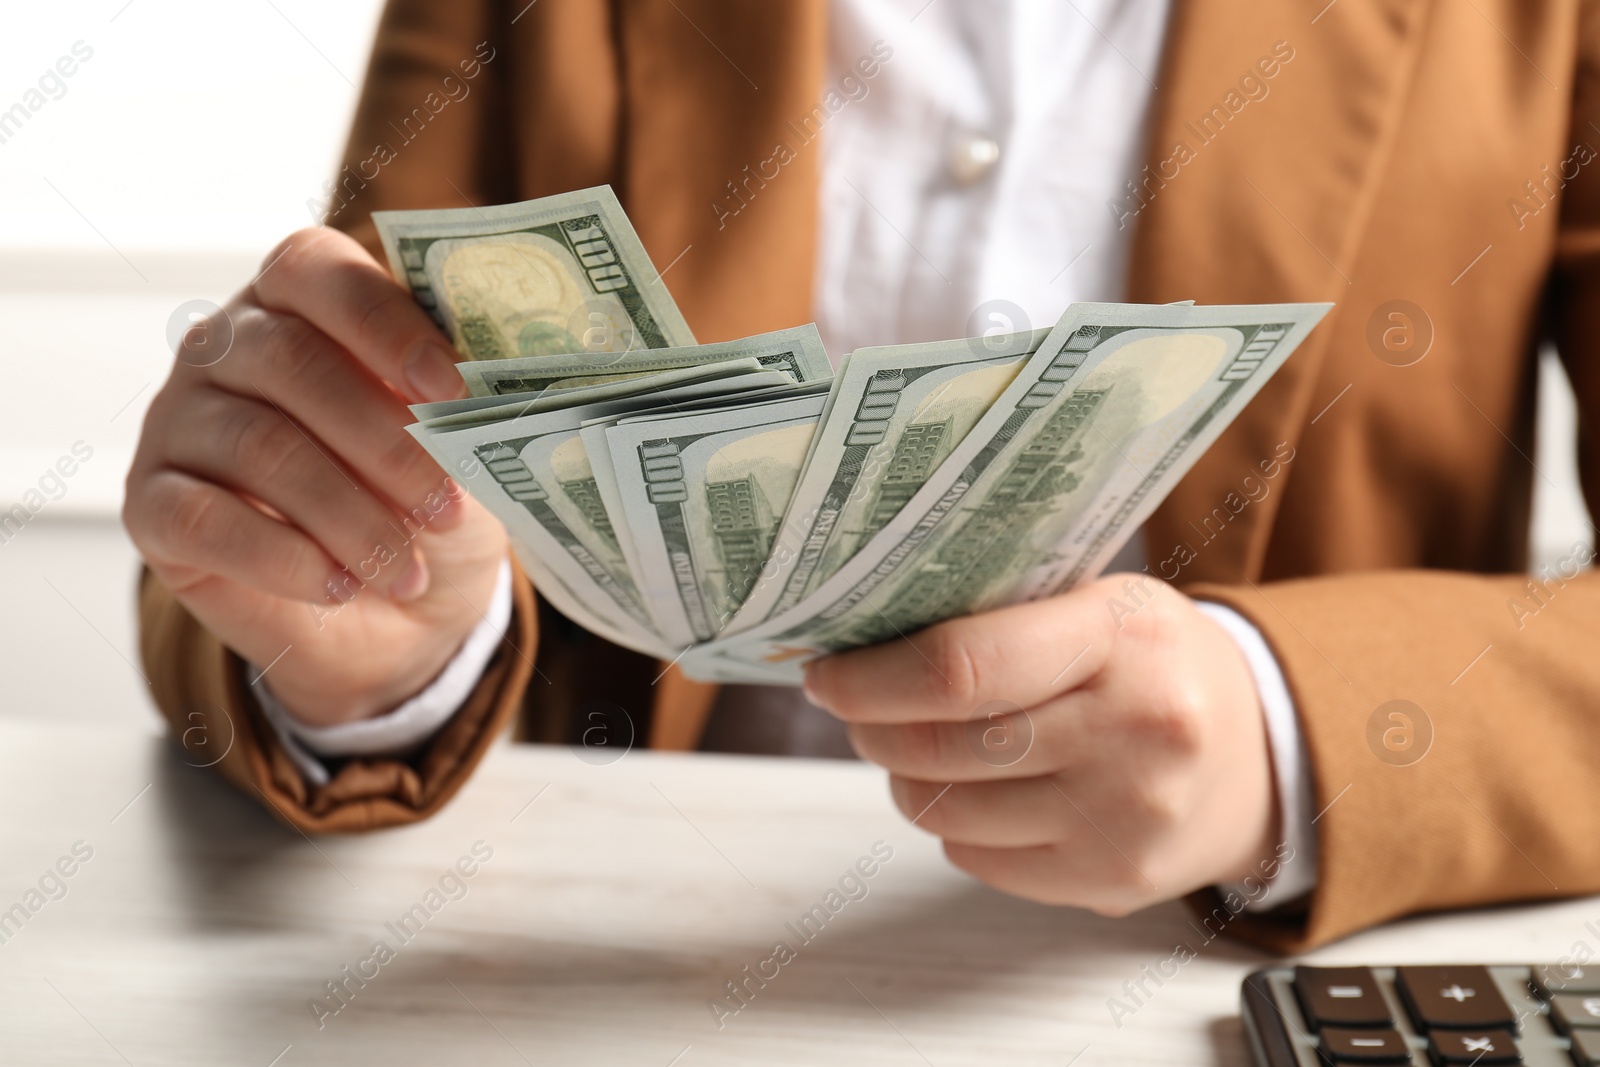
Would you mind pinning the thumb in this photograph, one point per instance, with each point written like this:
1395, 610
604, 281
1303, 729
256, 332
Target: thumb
1024, 654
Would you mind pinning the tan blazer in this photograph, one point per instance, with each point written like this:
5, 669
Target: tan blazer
1401, 150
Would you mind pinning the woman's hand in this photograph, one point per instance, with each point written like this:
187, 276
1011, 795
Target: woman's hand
276, 493
1071, 753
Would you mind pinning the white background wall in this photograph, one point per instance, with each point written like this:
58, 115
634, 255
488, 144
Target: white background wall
177, 155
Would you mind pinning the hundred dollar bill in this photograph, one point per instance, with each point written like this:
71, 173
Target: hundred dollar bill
724, 377
537, 492
798, 351
702, 495
839, 371
593, 434
541, 487
1101, 422
547, 277
533, 474
894, 416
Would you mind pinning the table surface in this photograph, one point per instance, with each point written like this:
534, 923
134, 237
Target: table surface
618, 901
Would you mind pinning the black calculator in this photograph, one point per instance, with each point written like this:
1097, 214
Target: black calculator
1544, 1015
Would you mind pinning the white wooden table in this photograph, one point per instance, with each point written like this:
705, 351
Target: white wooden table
618, 901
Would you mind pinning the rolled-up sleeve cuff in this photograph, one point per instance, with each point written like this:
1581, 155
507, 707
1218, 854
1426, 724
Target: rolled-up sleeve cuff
1295, 877
408, 726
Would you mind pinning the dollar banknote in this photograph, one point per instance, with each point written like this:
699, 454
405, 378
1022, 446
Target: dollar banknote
908, 407
734, 505
550, 277
480, 410
702, 495
533, 473
1098, 425
798, 351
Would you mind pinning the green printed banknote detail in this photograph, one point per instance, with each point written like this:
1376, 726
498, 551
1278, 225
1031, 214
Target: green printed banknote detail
798, 351
550, 277
702, 496
1095, 429
897, 413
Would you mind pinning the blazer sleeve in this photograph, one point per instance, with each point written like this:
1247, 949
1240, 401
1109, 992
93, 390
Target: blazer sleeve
1485, 791
433, 78
200, 687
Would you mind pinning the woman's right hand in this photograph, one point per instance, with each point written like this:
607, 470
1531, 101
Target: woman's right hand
276, 493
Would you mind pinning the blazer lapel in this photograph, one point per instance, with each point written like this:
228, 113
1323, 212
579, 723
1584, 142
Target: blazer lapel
1252, 198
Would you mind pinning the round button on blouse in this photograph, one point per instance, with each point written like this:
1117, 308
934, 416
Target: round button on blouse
972, 158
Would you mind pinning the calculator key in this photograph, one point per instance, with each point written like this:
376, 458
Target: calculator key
1586, 1047
1473, 1046
1340, 996
1572, 1012
1453, 997
1363, 1046
1553, 978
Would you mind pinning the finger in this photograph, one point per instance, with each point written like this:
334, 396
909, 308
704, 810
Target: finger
188, 529
1006, 743
253, 448
1010, 814
1085, 872
328, 279
306, 376
250, 620
1022, 654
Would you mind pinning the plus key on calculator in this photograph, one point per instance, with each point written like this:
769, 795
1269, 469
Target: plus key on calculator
1453, 997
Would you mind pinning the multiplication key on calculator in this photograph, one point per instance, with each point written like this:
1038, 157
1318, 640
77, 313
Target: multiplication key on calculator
1544, 1015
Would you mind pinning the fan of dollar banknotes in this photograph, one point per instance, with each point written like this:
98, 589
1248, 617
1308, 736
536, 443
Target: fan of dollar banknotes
743, 507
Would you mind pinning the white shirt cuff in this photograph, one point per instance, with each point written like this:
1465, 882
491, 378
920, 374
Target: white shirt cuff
1296, 873
412, 723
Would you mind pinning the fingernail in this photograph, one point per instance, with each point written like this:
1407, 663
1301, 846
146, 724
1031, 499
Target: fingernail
450, 513
809, 689
430, 370
412, 583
